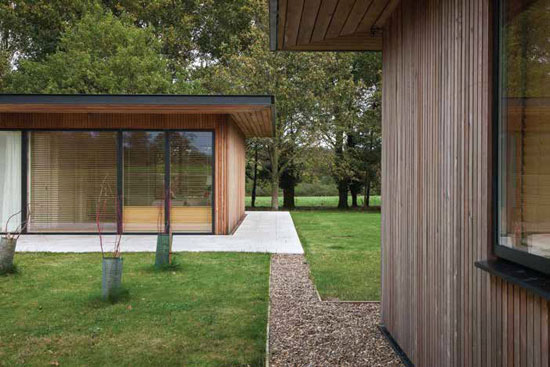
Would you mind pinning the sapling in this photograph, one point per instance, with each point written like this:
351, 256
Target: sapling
8, 242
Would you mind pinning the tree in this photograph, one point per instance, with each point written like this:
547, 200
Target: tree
100, 53
188, 30
291, 77
342, 99
290, 177
365, 153
350, 116
4, 67
356, 183
31, 29
194, 31
256, 169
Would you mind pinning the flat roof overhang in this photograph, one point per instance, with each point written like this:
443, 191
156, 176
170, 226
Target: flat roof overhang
328, 25
255, 115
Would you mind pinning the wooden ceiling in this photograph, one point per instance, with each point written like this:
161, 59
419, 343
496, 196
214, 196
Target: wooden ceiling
254, 115
329, 25
255, 123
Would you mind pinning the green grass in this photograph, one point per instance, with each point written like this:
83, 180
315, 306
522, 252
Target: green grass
343, 250
209, 311
310, 201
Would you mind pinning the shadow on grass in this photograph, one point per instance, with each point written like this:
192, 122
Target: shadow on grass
117, 296
175, 266
14, 270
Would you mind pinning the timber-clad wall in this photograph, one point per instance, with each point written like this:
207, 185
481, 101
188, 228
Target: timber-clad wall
229, 140
236, 180
436, 213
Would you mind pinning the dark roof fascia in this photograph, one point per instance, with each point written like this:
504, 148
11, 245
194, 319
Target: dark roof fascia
138, 99
273, 23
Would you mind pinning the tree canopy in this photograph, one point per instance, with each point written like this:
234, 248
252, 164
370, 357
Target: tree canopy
100, 53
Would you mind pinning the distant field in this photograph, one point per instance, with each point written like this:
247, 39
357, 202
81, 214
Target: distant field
311, 201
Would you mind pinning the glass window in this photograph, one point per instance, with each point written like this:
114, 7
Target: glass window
191, 168
524, 132
10, 179
67, 172
144, 177
71, 172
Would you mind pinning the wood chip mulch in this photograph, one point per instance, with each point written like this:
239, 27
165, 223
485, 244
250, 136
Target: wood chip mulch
304, 331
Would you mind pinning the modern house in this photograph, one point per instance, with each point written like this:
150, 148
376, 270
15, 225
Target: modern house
465, 167
163, 163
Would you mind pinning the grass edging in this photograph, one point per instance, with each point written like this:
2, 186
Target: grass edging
343, 251
326, 301
319, 298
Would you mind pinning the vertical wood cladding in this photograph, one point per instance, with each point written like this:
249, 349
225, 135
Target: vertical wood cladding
236, 165
436, 212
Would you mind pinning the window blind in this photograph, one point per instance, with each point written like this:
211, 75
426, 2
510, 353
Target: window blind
191, 157
144, 165
66, 173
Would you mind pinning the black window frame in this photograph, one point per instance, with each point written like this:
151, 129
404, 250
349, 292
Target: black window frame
528, 260
120, 168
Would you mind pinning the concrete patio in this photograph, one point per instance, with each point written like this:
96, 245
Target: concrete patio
266, 232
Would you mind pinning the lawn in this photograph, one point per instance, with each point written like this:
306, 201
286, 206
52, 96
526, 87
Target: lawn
211, 311
343, 250
310, 201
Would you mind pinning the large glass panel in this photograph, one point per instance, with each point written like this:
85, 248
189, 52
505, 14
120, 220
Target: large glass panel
191, 156
68, 171
524, 132
10, 179
144, 198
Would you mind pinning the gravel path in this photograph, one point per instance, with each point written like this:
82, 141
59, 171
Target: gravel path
306, 332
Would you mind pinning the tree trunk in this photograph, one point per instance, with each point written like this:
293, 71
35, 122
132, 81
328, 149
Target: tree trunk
255, 179
367, 194
354, 193
275, 178
288, 198
275, 193
343, 195
342, 182
354, 199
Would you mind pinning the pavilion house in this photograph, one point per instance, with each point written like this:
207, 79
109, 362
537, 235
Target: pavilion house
161, 163
465, 167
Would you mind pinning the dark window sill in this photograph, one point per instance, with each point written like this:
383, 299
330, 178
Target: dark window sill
529, 279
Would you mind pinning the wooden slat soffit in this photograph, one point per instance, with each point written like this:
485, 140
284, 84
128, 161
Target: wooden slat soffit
329, 25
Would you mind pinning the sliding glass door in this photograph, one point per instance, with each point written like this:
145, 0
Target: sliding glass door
138, 181
147, 165
191, 178
144, 181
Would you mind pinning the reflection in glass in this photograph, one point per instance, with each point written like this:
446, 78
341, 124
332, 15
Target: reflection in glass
143, 190
524, 133
191, 157
67, 170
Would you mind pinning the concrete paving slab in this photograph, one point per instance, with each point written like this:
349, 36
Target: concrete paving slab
266, 232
